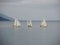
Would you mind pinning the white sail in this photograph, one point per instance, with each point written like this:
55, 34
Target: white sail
17, 23
29, 24
43, 23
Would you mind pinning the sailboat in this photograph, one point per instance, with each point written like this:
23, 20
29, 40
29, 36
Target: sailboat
43, 23
29, 24
17, 23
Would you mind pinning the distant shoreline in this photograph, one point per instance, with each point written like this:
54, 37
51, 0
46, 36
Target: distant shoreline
34, 21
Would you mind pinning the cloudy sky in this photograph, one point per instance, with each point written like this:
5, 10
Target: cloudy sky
31, 9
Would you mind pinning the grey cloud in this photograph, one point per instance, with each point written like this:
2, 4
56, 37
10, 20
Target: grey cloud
32, 11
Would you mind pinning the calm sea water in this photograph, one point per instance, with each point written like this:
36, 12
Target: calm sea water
29, 36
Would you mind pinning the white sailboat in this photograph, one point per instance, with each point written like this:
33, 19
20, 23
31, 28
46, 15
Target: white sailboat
29, 24
17, 23
43, 23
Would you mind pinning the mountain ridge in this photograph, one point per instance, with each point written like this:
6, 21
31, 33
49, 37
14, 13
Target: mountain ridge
5, 18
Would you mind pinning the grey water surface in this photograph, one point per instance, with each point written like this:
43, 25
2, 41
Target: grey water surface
35, 35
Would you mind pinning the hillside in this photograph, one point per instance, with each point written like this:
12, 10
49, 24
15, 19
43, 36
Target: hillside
5, 18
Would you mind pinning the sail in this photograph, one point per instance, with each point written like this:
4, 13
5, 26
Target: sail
43, 23
29, 23
17, 23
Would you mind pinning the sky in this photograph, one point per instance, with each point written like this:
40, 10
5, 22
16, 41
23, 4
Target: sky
31, 9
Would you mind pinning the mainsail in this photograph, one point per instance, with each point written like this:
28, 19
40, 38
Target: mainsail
43, 23
17, 23
29, 24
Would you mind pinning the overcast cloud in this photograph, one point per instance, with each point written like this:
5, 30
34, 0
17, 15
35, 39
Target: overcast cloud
31, 9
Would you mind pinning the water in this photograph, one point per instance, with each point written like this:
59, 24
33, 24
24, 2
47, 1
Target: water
29, 36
